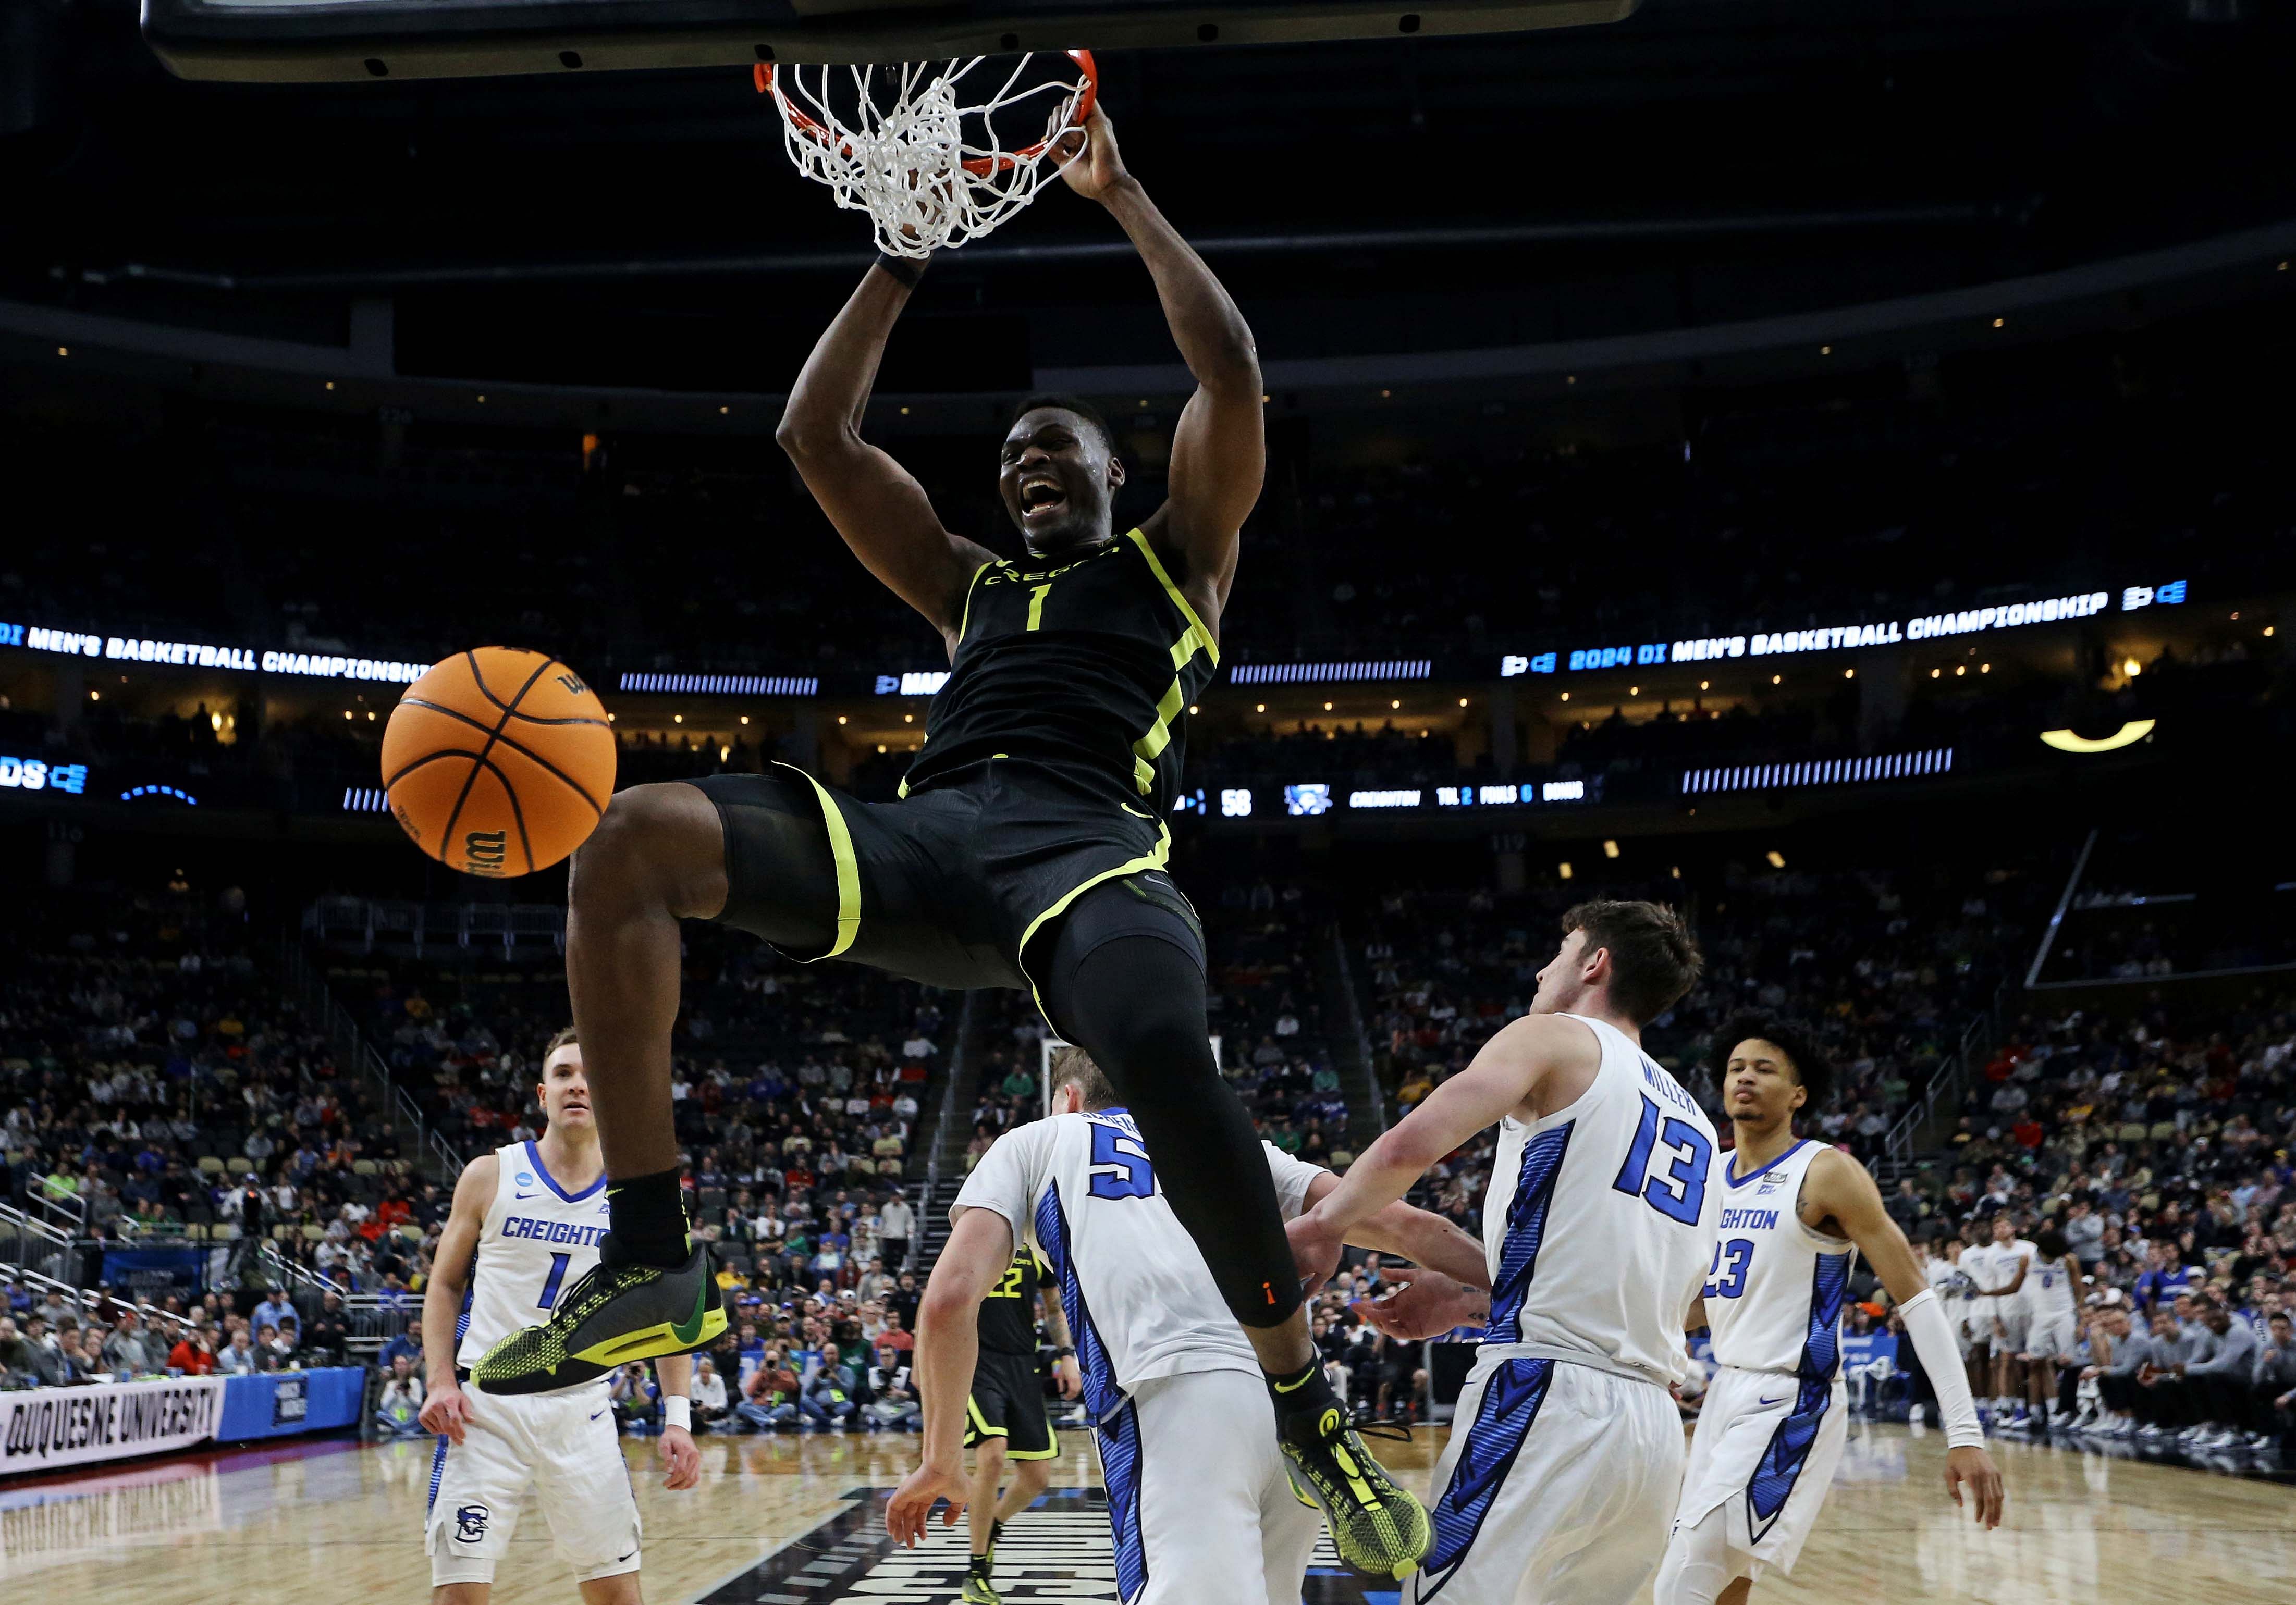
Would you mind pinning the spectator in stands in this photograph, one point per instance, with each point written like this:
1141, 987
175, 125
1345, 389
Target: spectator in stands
195, 1354
769, 1397
2274, 1383
278, 1311
635, 1396
409, 1343
239, 1358
16, 1369
893, 1402
129, 1350
273, 1348
327, 1340
398, 1412
895, 1223
49, 1366
708, 1392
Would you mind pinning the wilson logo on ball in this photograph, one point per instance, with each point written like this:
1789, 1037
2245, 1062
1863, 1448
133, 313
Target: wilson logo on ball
498, 761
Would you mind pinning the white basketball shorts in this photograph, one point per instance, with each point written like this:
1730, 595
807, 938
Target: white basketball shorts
562, 1447
1555, 1488
1200, 1496
1764, 1450
2050, 1335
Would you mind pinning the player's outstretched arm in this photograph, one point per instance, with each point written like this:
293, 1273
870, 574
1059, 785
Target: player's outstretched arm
876, 504
680, 1458
445, 1407
1512, 1067
948, 1343
1219, 451
1836, 1185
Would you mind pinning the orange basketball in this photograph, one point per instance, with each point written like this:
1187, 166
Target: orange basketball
498, 761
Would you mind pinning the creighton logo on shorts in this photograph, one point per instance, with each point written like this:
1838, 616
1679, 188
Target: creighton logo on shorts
471, 1523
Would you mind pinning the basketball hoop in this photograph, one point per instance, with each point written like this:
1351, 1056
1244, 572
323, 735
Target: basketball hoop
906, 146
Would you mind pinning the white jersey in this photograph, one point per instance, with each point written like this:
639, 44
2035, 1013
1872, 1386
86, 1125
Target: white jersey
2048, 1291
1140, 1302
1774, 1296
1996, 1266
1621, 1176
537, 1240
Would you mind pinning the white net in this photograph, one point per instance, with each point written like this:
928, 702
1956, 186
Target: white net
934, 160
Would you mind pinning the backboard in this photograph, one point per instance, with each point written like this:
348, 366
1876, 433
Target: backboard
318, 41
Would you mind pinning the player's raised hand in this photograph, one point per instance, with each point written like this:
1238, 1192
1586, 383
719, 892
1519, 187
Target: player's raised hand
1972, 1465
912, 1504
448, 1411
1314, 1250
681, 1460
1089, 159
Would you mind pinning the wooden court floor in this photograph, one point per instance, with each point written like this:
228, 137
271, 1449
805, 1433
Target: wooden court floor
784, 1521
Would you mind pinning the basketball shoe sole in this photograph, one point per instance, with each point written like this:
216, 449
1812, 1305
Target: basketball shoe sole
614, 1315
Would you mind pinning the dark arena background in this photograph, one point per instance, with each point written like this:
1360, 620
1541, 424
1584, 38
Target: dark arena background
1824, 466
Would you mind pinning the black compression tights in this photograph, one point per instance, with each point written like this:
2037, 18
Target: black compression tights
1136, 1004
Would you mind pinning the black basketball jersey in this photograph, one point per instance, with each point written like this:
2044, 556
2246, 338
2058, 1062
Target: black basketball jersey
1087, 665
1008, 1315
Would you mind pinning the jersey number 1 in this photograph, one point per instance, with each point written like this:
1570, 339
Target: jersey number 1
551, 1285
1676, 1185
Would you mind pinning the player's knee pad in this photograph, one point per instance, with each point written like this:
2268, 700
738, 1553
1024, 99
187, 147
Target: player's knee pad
1697, 1566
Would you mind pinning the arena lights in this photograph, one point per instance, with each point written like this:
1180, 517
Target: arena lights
134, 793
917, 683
726, 685
1306, 674
1821, 772
1848, 638
366, 799
38, 774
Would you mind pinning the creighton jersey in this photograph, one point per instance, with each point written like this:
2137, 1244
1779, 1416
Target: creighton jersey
1139, 1299
2048, 1291
1600, 1221
1086, 666
1774, 1296
537, 1240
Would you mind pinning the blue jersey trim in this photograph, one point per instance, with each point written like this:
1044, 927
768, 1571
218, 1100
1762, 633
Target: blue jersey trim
535, 1155
1512, 1395
1730, 1171
1100, 1393
1784, 1458
1534, 1190
438, 1471
1120, 1468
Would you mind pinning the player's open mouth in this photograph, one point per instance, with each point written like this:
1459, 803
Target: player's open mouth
1039, 497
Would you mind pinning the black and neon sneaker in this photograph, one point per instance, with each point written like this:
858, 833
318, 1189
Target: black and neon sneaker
1376, 1527
996, 1532
977, 1589
614, 1315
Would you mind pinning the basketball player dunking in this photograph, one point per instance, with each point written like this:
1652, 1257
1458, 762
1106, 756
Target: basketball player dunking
1028, 850
1795, 1216
523, 1227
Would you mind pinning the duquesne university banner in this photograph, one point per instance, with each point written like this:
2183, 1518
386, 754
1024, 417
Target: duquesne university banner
51, 1426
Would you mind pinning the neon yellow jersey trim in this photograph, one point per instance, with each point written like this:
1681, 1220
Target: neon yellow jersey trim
1180, 600
1153, 860
848, 866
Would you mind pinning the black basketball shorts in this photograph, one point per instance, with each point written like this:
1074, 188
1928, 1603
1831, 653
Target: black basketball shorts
951, 887
1008, 1402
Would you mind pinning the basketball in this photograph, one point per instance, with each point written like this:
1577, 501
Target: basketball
498, 761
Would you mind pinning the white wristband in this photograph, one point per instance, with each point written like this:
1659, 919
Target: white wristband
676, 1411
1940, 1357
